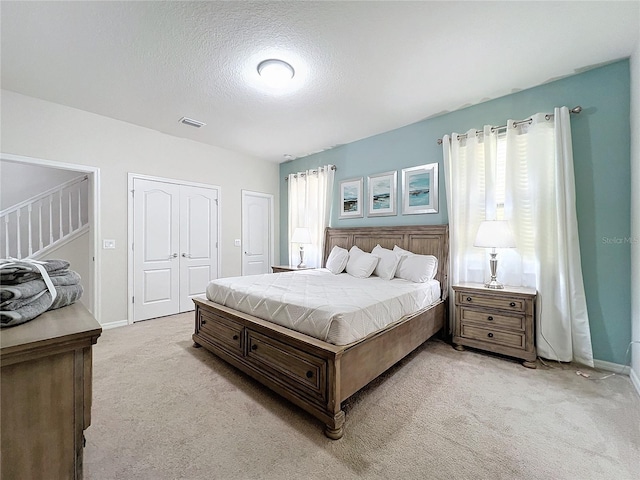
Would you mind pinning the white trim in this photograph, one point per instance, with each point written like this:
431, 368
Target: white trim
94, 216
119, 323
635, 380
130, 179
612, 367
271, 224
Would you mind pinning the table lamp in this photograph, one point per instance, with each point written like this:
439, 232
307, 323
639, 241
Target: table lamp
301, 236
494, 234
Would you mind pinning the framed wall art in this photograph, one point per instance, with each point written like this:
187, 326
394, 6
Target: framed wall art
420, 189
382, 194
351, 198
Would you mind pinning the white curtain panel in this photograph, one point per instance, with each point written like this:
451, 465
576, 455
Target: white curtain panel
310, 196
540, 207
469, 163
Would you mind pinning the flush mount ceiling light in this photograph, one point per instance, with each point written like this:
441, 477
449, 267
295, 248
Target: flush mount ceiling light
276, 73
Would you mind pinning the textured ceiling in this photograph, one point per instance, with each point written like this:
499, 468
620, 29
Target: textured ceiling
362, 68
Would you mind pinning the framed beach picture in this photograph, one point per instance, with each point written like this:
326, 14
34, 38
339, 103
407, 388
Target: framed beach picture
420, 189
382, 194
351, 198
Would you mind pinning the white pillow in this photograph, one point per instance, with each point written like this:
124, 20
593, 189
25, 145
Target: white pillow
337, 260
361, 264
416, 268
387, 264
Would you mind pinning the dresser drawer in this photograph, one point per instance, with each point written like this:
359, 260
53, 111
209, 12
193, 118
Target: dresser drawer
295, 369
498, 337
483, 300
491, 320
224, 333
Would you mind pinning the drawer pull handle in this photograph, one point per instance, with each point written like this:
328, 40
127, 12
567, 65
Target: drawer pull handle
309, 374
490, 318
254, 347
512, 304
468, 299
490, 335
235, 337
203, 322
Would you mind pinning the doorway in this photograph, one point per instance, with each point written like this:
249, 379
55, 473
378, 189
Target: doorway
174, 235
257, 232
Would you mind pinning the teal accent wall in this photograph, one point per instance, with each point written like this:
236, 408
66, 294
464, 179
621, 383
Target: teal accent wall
601, 143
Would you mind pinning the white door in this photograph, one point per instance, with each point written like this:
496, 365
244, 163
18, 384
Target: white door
175, 246
257, 232
156, 237
198, 242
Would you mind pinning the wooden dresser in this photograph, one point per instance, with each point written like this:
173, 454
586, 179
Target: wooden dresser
497, 320
46, 394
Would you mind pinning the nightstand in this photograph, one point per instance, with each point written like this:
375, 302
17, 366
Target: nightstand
288, 268
496, 320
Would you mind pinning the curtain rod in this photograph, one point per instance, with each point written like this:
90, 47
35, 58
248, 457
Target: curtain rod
575, 110
332, 167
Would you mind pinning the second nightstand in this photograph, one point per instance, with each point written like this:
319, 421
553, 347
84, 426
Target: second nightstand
496, 320
287, 268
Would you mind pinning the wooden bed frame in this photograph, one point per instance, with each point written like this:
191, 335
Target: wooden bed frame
315, 375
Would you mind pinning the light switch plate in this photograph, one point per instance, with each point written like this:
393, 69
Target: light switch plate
107, 244
236, 242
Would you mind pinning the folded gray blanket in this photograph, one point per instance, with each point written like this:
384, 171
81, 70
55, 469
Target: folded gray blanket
17, 271
66, 295
10, 293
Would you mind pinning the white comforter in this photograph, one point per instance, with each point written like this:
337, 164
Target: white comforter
338, 309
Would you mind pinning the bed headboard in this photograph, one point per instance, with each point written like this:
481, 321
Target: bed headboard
421, 239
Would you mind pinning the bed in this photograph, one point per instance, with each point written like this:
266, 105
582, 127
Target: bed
314, 374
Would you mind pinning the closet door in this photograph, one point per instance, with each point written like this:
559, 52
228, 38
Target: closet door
175, 246
198, 242
156, 237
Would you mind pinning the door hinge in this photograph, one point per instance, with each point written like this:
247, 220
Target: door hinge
133, 299
133, 192
132, 247
216, 202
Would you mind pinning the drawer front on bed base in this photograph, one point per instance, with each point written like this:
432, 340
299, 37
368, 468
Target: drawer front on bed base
295, 369
221, 332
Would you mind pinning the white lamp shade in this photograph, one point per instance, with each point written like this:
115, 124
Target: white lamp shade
495, 234
301, 235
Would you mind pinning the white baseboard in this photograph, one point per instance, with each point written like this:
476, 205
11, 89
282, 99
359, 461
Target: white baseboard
635, 380
612, 367
120, 323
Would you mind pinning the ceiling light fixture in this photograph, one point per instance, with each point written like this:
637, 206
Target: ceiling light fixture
276, 73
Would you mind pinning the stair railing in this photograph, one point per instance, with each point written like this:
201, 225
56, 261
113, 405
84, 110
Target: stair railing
46, 220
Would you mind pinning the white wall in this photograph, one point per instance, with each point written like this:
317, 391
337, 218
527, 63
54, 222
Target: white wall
635, 214
34, 179
40, 129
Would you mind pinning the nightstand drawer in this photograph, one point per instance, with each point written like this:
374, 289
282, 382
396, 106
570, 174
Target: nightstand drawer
491, 320
481, 300
499, 337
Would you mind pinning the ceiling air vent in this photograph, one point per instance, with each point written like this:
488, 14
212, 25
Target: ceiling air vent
191, 122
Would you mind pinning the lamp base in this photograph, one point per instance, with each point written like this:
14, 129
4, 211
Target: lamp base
494, 284
301, 265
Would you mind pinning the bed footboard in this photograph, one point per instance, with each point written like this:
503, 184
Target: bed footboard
315, 375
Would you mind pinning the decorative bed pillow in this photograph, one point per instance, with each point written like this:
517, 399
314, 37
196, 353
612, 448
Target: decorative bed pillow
361, 264
337, 260
414, 267
387, 264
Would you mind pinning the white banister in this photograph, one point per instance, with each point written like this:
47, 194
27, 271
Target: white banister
51, 231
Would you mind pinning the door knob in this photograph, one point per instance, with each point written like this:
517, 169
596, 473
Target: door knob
175, 255
186, 255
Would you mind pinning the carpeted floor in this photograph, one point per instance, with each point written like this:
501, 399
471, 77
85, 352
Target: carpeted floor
165, 410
